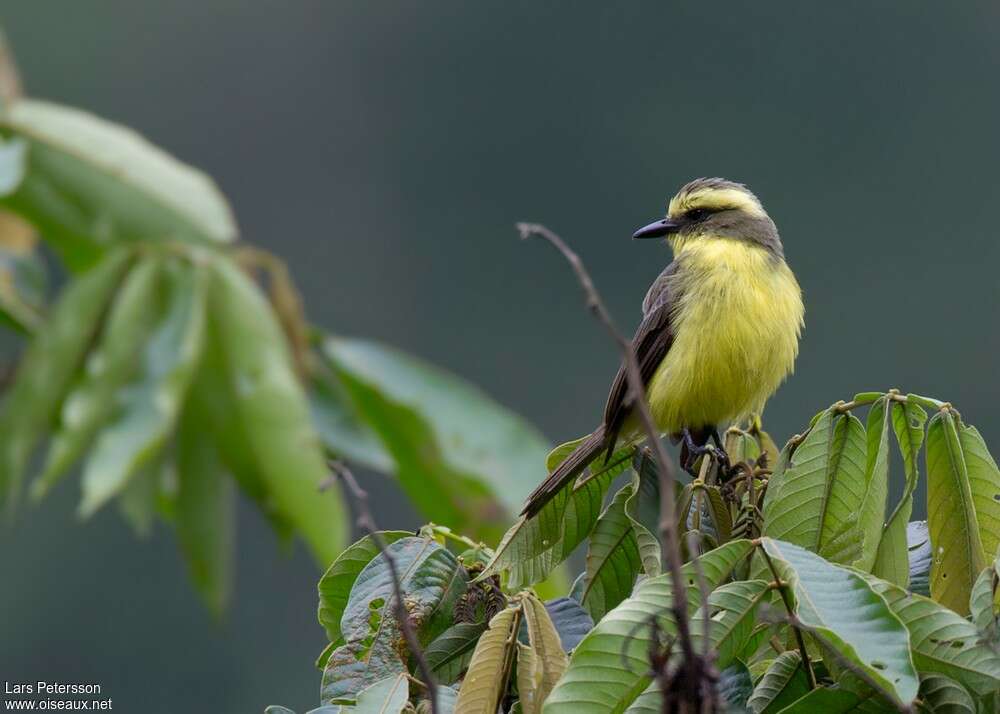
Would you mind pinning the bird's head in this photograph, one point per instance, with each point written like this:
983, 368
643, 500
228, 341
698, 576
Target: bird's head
713, 209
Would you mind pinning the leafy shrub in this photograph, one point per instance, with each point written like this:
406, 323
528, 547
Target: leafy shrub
807, 591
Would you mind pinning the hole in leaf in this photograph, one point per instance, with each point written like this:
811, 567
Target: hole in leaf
957, 644
996, 496
878, 665
376, 604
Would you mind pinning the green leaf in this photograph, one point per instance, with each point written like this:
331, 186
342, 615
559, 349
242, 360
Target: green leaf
942, 641
984, 602
431, 581
984, 483
815, 496
951, 518
542, 662
88, 183
643, 509
336, 583
571, 621
609, 669
341, 428
138, 500
450, 653
149, 403
918, 545
892, 561
732, 614
486, 679
533, 546
871, 519
783, 683
612, 558
463, 459
267, 414
388, 696
828, 700
49, 364
204, 511
845, 614
112, 363
941, 695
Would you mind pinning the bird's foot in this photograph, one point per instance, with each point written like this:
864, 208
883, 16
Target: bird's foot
691, 453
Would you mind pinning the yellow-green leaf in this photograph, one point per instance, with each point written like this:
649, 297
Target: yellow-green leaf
486, 679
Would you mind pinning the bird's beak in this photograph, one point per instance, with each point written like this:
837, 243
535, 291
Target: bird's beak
657, 229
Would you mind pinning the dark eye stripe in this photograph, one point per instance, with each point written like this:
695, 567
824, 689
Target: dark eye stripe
697, 214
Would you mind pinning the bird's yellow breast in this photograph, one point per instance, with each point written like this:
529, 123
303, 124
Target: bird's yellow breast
736, 332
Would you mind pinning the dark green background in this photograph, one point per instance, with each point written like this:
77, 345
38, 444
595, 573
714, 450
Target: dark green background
386, 149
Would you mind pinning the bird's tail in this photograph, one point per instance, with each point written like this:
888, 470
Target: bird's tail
571, 467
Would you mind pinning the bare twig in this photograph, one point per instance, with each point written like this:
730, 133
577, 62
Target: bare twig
792, 619
637, 398
366, 522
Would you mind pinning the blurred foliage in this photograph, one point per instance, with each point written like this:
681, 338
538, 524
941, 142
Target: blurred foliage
892, 617
175, 363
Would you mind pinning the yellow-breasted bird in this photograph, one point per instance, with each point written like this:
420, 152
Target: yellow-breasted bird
720, 328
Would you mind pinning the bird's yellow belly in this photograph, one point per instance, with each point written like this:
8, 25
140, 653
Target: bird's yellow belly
736, 337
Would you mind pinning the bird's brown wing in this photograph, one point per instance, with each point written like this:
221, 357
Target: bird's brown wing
651, 343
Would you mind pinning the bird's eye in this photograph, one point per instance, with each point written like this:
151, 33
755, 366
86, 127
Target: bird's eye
696, 214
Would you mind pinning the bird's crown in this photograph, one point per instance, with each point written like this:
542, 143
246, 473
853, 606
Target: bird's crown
714, 194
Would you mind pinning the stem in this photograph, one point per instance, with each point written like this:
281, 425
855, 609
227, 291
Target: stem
637, 397
367, 523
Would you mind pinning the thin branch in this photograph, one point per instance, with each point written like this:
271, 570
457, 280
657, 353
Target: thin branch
792, 619
637, 398
366, 523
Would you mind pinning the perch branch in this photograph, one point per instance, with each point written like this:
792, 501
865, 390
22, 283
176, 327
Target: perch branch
637, 397
366, 523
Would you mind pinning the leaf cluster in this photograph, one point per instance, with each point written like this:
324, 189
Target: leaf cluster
809, 592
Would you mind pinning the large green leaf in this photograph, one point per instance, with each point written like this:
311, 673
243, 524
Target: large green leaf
535, 545
431, 581
464, 460
149, 403
49, 364
828, 700
612, 558
571, 621
783, 683
341, 428
336, 583
486, 679
643, 509
542, 661
815, 499
609, 669
892, 563
87, 183
845, 614
266, 413
204, 511
940, 695
871, 519
984, 602
942, 641
450, 653
984, 483
954, 528
732, 616
111, 364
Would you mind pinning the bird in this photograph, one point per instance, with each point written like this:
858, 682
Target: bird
719, 333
